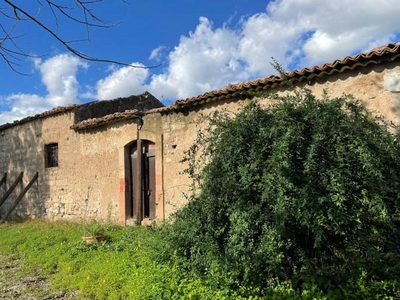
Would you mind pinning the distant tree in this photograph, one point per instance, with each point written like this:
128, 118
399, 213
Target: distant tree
305, 191
13, 13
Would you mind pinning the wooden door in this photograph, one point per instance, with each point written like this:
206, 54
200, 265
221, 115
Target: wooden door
147, 181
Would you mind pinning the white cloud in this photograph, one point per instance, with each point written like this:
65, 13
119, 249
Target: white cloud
122, 82
204, 60
336, 28
156, 54
263, 38
22, 105
59, 77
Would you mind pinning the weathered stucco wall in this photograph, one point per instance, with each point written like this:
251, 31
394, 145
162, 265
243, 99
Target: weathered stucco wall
20, 150
87, 169
378, 88
179, 133
93, 176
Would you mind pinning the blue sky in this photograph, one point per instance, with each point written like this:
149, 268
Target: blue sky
200, 46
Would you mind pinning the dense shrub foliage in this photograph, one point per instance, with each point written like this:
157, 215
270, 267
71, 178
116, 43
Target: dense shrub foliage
303, 193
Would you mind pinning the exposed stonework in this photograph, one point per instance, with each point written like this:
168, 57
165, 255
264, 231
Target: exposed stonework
94, 177
99, 109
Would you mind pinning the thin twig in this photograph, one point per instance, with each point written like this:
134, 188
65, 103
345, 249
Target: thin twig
20, 14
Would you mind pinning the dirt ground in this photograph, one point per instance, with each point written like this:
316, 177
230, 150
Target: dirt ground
14, 284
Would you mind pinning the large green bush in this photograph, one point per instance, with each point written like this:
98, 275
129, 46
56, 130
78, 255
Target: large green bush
305, 191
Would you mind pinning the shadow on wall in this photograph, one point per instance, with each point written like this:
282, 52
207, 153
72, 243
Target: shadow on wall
22, 151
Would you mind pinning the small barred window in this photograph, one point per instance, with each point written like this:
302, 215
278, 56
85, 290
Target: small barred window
51, 155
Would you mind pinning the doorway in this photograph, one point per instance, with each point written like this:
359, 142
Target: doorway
144, 201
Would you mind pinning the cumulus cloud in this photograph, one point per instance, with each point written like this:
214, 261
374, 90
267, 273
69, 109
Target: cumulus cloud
59, 77
204, 60
122, 82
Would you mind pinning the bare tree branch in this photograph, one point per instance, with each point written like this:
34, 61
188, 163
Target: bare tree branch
17, 14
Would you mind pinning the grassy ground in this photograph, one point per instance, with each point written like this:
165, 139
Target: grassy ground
24, 267
42, 260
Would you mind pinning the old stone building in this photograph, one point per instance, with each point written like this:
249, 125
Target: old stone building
86, 156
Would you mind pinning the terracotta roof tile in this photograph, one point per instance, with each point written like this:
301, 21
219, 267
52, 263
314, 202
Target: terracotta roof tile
388, 52
112, 118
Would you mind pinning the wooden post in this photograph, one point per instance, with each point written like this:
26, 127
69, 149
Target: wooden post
20, 197
12, 187
4, 179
